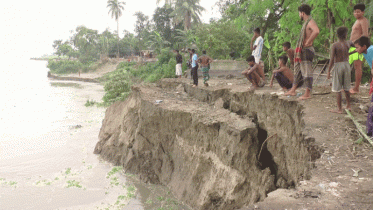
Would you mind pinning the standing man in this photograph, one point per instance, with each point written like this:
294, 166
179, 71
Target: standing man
304, 53
194, 68
205, 61
179, 61
360, 28
257, 47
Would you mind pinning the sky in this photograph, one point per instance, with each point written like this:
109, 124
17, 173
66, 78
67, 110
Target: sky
30, 27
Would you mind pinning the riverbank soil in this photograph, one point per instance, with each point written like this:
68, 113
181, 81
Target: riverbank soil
334, 184
103, 69
227, 147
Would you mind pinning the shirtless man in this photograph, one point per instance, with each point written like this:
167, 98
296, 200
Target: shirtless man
205, 61
255, 73
290, 52
307, 53
342, 71
283, 74
360, 28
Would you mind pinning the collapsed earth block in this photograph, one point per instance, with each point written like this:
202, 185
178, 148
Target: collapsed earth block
215, 148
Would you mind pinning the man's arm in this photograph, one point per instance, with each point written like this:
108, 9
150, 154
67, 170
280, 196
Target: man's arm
365, 27
254, 68
315, 31
332, 55
252, 47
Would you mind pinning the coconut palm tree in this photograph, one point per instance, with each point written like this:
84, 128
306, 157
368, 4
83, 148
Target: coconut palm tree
185, 10
115, 10
188, 10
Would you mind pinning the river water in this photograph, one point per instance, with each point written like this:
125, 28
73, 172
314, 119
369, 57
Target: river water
47, 140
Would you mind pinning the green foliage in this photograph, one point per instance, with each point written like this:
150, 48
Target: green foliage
64, 66
117, 87
90, 103
222, 39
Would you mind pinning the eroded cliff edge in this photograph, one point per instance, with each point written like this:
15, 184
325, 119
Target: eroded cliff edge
216, 148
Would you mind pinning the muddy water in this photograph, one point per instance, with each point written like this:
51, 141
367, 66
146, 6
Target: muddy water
46, 148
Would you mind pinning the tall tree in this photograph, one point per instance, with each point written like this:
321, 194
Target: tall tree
115, 9
187, 10
142, 28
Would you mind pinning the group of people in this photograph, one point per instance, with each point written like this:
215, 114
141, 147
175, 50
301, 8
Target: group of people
194, 62
343, 54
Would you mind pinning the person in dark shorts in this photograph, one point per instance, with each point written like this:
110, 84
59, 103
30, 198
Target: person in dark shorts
283, 74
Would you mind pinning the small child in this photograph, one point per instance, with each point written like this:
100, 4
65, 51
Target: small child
339, 58
363, 47
290, 52
255, 73
283, 74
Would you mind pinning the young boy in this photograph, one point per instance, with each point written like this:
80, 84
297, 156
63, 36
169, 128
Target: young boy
290, 52
179, 62
363, 47
257, 47
283, 75
255, 73
360, 28
342, 71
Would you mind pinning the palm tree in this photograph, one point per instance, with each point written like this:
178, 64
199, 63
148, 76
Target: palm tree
187, 10
115, 9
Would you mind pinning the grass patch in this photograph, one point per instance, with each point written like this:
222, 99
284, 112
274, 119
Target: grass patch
60, 84
89, 103
73, 183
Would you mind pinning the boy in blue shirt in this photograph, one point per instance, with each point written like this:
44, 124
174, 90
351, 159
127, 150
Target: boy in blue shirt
363, 47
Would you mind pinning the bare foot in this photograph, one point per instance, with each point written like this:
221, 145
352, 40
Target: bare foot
337, 111
348, 108
252, 88
304, 97
290, 93
194, 85
352, 91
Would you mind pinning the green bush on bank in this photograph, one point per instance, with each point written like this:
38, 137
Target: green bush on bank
118, 83
64, 66
70, 66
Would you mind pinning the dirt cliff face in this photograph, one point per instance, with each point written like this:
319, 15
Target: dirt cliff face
215, 148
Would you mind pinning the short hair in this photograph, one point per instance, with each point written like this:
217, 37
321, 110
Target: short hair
204, 52
360, 6
286, 44
193, 51
305, 8
342, 32
189, 49
363, 41
251, 58
257, 30
177, 51
284, 59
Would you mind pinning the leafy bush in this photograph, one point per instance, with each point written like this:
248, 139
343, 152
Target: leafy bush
64, 66
117, 87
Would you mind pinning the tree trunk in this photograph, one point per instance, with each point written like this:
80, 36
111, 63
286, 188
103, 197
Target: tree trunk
187, 23
118, 39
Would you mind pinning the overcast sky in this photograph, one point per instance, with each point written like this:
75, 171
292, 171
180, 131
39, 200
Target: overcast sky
29, 27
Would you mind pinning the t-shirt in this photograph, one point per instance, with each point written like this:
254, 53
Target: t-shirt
179, 59
259, 47
194, 60
369, 55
